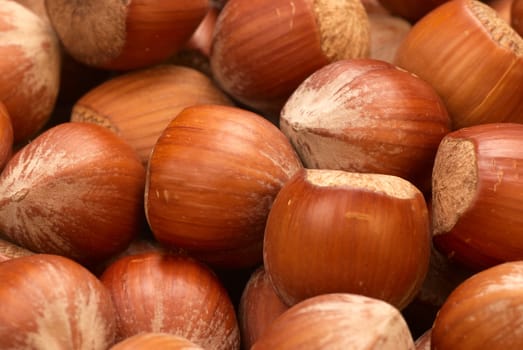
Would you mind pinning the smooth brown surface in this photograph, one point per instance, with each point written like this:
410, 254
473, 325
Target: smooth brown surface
484, 312
263, 49
156, 292
260, 55
412, 10
211, 180
472, 58
6, 136
138, 105
502, 7
259, 307
362, 233
516, 16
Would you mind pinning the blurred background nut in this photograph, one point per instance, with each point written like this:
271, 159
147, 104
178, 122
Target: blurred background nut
29, 69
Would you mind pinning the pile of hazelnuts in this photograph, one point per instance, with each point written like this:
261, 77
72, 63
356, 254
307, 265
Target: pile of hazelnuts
261, 174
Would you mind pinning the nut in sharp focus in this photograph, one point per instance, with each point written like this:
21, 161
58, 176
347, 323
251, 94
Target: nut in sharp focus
366, 115
334, 231
211, 180
477, 204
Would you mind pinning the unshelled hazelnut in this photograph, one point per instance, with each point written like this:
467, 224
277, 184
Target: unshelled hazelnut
29, 69
211, 180
366, 115
259, 306
122, 35
338, 321
75, 190
472, 58
51, 302
484, 312
263, 49
139, 105
171, 293
332, 231
477, 209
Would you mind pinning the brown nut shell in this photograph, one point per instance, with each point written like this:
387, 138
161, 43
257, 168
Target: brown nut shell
472, 58
484, 312
331, 231
171, 293
263, 49
338, 321
76, 190
516, 16
29, 69
153, 341
366, 115
477, 214
211, 180
6, 136
49, 301
138, 105
259, 306
123, 35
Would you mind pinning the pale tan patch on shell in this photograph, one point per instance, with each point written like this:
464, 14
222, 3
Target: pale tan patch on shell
511, 279
43, 169
373, 324
454, 182
10, 250
69, 319
88, 115
500, 30
388, 185
93, 32
344, 28
25, 31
